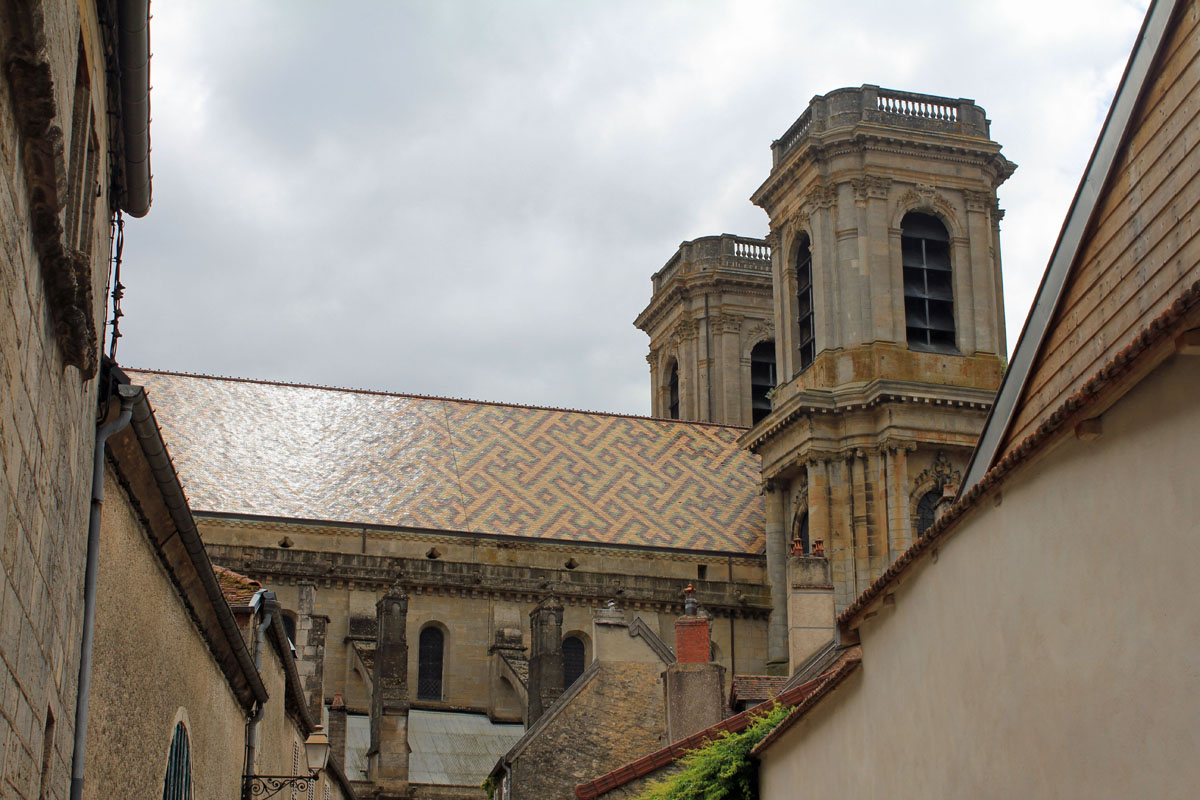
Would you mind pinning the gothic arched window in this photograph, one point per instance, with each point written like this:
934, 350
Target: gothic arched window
673, 391
927, 510
429, 663
762, 379
928, 287
806, 340
573, 655
177, 784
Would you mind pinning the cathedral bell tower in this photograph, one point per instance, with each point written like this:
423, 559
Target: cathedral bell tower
889, 334
711, 327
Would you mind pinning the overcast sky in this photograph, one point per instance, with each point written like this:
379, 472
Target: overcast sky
468, 198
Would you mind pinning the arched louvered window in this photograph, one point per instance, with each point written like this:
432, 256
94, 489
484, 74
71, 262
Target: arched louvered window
807, 339
177, 784
928, 286
573, 655
673, 392
762, 379
429, 663
927, 511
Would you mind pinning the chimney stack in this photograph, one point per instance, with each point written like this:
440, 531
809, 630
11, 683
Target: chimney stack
695, 686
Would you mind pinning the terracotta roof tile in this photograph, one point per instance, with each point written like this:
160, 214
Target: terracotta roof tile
827, 683
237, 588
267, 449
756, 688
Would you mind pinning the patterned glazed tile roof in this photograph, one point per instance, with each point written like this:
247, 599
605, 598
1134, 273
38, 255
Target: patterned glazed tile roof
282, 450
237, 588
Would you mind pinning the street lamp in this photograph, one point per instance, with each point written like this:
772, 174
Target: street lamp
316, 750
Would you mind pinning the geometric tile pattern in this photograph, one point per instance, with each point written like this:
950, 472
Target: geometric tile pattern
261, 448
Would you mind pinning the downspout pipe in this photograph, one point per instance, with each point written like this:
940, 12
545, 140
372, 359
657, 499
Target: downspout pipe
89, 587
270, 607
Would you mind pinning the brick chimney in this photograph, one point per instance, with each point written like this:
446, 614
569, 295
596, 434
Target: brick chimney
695, 686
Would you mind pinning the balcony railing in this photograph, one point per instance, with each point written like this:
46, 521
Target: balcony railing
848, 107
711, 253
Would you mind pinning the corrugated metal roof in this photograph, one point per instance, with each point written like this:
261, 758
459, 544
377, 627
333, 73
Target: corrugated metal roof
302, 452
455, 749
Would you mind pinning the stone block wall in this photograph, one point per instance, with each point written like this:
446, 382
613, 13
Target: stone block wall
615, 718
47, 396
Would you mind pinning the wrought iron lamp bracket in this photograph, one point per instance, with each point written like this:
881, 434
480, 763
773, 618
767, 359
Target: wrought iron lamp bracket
260, 787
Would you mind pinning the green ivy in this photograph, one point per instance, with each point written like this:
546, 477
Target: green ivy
721, 769
489, 786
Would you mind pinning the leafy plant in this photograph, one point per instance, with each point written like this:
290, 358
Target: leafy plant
489, 786
721, 769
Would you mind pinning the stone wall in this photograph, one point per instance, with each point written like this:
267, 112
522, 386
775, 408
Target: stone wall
615, 717
50, 312
473, 600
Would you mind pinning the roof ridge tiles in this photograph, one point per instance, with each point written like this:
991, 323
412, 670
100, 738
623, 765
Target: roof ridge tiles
415, 396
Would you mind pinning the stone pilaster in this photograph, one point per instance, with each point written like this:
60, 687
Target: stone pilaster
310, 649
777, 627
388, 756
545, 657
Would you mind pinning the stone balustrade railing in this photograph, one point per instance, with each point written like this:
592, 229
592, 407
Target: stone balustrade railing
726, 252
845, 108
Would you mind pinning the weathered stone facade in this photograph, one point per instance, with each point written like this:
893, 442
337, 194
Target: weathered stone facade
882, 396
58, 131
710, 309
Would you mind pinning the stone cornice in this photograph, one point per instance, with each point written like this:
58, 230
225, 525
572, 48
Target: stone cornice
419, 576
858, 399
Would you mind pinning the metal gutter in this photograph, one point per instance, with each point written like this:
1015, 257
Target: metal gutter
1112, 135
133, 47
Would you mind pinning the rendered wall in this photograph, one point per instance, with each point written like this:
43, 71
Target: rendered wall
1053, 649
151, 669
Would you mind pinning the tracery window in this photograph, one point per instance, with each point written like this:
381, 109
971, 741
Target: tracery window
928, 286
177, 783
573, 655
762, 379
806, 340
429, 663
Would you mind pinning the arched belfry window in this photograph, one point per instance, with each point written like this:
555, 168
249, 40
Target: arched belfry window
429, 663
762, 379
573, 655
177, 784
927, 510
673, 391
928, 288
806, 336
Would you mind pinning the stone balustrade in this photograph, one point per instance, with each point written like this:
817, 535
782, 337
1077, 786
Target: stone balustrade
845, 108
726, 252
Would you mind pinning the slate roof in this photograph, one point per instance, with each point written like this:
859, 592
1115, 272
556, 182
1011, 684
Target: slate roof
279, 450
453, 749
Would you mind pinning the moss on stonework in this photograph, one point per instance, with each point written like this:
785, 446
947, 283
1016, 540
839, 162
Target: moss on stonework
721, 769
